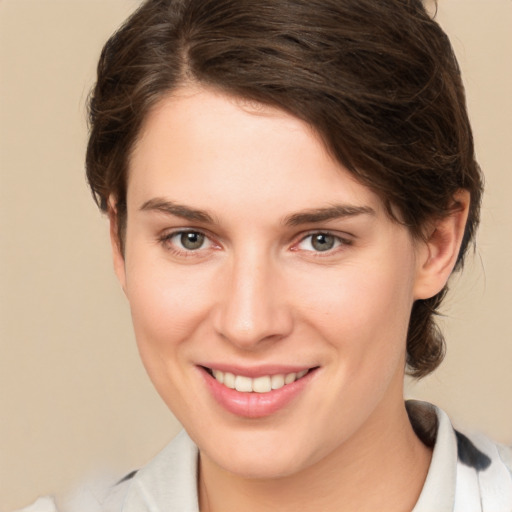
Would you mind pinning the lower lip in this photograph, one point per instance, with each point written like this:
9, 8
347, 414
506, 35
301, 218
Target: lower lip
255, 405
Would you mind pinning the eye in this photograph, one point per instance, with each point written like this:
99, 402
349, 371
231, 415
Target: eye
191, 240
320, 242
187, 241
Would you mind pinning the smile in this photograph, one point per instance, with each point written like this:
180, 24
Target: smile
268, 391
263, 384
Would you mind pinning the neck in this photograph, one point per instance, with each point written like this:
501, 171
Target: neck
383, 467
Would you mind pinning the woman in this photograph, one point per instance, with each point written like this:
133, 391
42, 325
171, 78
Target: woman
289, 186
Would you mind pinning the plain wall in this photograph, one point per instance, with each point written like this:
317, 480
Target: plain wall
73, 394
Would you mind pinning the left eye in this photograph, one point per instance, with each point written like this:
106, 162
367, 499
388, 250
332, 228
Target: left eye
189, 240
319, 242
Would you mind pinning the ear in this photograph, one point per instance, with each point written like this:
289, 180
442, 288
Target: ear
438, 254
117, 250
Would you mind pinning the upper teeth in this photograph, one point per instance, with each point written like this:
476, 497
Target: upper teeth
262, 384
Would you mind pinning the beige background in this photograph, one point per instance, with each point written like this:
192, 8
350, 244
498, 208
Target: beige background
73, 393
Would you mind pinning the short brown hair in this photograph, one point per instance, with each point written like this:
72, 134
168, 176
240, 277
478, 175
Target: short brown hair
377, 80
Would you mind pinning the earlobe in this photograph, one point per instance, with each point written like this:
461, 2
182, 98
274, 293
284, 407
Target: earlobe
437, 255
117, 252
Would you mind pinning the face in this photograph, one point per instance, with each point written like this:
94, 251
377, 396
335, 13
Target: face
270, 291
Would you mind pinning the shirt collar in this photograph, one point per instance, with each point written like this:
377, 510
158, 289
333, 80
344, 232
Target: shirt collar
171, 477
438, 492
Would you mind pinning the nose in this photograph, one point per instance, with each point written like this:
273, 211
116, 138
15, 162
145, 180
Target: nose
252, 309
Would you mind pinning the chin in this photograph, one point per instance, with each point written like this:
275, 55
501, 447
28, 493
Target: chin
261, 468
260, 457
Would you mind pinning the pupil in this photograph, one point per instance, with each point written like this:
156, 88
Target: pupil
192, 240
323, 242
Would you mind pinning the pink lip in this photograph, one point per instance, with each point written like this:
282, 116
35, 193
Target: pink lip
255, 405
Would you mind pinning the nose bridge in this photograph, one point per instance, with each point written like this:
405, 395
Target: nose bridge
252, 308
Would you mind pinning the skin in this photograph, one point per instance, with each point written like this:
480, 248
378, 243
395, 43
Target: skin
259, 292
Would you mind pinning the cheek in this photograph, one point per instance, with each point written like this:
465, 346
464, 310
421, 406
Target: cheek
361, 310
363, 297
167, 302
168, 307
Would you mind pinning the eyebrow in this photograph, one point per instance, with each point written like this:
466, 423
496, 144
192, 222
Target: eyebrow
324, 214
312, 216
178, 210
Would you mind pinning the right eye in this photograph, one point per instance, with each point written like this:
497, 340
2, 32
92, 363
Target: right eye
186, 241
191, 240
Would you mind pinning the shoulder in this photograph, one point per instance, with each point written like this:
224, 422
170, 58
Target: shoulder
468, 471
168, 480
45, 504
97, 496
472, 449
481, 454
505, 453
483, 473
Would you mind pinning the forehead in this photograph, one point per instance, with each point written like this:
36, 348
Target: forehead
216, 149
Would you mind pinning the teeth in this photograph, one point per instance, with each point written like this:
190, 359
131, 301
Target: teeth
277, 381
259, 384
218, 375
229, 380
290, 378
243, 384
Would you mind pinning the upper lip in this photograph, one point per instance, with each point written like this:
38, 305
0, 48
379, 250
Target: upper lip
257, 370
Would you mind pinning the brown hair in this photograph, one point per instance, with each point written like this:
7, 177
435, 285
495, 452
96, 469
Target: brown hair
377, 80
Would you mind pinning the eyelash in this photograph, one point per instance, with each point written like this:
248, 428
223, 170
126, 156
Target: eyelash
166, 241
340, 242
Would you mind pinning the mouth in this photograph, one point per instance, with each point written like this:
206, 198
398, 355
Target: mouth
262, 384
261, 395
